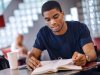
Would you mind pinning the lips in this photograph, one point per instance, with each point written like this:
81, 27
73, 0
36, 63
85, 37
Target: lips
55, 28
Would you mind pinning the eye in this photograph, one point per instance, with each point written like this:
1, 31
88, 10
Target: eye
56, 16
47, 19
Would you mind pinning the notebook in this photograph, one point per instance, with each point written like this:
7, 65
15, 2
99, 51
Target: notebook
56, 65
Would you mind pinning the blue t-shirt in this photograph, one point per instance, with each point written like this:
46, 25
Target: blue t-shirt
63, 46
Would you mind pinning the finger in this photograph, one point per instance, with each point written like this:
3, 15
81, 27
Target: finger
75, 55
29, 68
39, 65
33, 62
79, 56
83, 57
31, 65
37, 62
80, 63
34, 59
80, 59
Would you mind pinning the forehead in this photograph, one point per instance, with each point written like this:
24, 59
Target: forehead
19, 36
50, 13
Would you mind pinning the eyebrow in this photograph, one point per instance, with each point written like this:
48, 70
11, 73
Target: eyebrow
46, 18
53, 16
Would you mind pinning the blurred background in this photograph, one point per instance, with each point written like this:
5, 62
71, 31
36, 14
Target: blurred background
24, 16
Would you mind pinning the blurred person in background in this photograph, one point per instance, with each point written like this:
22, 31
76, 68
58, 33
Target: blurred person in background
17, 46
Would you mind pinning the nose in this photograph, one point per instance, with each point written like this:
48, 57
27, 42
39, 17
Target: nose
53, 22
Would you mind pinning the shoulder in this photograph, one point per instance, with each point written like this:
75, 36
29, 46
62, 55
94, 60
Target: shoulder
76, 25
44, 28
44, 31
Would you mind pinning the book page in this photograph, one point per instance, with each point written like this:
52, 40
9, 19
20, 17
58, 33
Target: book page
66, 64
43, 69
62, 62
70, 67
47, 66
54, 66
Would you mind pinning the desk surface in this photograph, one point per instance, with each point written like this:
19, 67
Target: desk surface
24, 71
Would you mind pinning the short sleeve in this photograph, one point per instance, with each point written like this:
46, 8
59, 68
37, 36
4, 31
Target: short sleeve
39, 42
84, 35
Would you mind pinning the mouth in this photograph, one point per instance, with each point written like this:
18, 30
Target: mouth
55, 27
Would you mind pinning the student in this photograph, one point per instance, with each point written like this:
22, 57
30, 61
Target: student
17, 46
62, 39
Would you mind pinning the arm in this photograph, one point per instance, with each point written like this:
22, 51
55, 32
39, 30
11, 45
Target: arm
87, 47
32, 59
81, 59
35, 52
90, 51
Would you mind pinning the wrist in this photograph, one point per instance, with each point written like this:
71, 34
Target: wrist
88, 58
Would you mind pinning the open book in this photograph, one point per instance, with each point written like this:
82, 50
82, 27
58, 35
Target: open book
55, 65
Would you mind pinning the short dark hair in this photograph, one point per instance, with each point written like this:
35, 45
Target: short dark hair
50, 5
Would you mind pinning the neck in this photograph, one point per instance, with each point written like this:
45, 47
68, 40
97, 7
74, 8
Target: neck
19, 44
63, 30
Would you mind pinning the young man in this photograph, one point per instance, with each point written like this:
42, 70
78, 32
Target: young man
61, 39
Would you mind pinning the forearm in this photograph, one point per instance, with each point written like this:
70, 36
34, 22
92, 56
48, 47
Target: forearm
89, 51
31, 54
91, 56
35, 53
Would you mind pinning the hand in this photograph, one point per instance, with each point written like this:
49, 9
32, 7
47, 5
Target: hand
32, 63
79, 59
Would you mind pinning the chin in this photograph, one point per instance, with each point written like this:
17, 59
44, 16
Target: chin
56, 30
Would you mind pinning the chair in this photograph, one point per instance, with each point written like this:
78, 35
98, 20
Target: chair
3, 63
97, 43
6, 50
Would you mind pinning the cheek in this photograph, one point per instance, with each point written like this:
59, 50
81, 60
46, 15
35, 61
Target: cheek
61, 21
61, 18
48, 24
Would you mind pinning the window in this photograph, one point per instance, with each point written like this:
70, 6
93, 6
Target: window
91, 12
23, 18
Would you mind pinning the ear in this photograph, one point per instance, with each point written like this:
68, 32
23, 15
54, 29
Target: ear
62, 13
